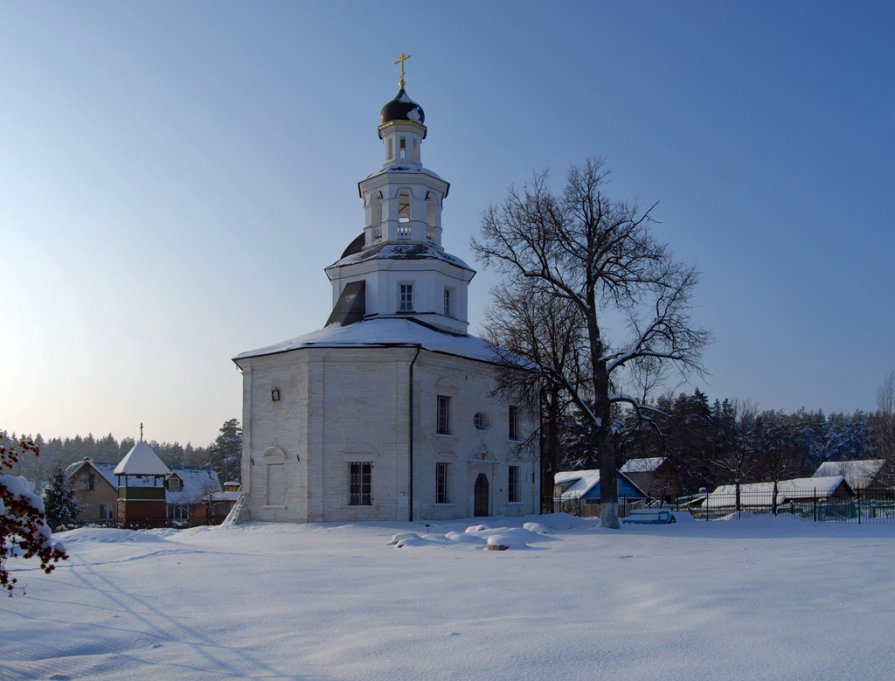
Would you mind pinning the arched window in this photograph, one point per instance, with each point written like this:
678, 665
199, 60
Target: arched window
376, 214
404, 205
431, 215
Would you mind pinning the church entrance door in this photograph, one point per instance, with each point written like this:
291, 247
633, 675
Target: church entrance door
481, 495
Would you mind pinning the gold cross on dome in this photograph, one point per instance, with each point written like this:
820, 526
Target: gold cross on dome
400, 60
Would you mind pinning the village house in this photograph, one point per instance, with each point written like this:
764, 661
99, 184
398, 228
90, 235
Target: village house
185, 491
801, 490
578, 492
864, 474
656, 476
95, 489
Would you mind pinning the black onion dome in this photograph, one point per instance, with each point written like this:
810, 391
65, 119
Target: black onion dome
402, 108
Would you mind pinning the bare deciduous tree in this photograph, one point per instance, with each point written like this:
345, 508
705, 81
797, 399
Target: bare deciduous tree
884, 422
599, 257
528, 322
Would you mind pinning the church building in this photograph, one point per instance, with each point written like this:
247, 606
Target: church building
390, 411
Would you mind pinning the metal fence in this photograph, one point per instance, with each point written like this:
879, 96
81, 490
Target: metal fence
586, 508
864, 506
870, 506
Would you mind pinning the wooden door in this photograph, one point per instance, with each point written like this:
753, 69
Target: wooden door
481, 495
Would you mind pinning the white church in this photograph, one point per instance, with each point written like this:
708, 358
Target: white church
389, 412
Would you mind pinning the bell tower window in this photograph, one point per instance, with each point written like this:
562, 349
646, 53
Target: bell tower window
431, 215
403, 148
376, 214
404, 206
405, 298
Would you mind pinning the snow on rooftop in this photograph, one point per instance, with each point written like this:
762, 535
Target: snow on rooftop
401, 166
390, 251
576, 483
198, 482
107, 470
646, 465
858, 474
141, 460
224, 496
761, 493
392, 332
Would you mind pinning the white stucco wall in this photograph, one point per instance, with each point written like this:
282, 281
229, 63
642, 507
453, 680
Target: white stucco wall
342, 405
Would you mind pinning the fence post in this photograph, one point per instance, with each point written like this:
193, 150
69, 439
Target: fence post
858, 494
815, 504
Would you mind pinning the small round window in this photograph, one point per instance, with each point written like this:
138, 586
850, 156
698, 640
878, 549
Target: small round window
481, 421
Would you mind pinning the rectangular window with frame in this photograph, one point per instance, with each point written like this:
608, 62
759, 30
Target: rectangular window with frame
442, 482
448, 306
513, 485
405, 298
443, 415
513, 430
360, 483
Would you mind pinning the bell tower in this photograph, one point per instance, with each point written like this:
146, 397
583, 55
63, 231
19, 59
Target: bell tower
402, 200
398, 266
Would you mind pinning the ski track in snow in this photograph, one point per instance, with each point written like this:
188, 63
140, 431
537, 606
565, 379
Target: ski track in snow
758, 599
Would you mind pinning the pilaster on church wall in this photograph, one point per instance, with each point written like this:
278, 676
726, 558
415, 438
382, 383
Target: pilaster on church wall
277, 425
314, 434
247, 478
364, 418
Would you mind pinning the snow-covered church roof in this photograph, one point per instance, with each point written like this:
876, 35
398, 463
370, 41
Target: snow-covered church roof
389, 251
382, 333
141, 460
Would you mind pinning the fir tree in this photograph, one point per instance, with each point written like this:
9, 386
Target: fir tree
225, 455
60, 505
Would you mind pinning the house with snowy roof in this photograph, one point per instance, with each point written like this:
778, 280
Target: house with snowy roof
761, 494
184, 490
656, 476
390, 411
861, 475
576, 490
187, 494
96, 490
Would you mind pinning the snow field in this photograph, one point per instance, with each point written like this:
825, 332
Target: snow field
758, 598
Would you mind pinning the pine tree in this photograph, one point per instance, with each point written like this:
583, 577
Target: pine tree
225, 455
60, 505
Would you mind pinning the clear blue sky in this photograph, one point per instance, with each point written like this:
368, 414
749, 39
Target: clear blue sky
175, 176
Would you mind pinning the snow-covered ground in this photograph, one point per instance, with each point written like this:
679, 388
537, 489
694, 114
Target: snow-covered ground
756, 598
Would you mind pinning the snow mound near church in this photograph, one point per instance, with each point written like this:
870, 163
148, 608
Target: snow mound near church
106, 535
478, 536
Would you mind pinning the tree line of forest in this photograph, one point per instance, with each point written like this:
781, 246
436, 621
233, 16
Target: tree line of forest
724, 441
58, 453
